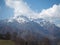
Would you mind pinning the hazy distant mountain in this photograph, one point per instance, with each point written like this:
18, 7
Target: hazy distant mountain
39, 28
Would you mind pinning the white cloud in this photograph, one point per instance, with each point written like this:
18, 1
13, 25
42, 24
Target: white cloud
20, 7
52, 14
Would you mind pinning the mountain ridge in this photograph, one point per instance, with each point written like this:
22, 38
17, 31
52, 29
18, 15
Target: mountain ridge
39, 26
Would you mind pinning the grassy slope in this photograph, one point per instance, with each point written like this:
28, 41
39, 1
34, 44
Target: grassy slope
6, 42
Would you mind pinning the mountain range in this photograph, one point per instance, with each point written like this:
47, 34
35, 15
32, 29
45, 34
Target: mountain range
24, 26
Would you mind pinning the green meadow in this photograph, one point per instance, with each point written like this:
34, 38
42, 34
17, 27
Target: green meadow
6, 42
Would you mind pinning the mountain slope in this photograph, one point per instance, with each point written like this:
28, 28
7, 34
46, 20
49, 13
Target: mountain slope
24, 26
37, 27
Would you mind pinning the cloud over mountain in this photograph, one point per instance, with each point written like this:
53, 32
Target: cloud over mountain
20, 7
52, 14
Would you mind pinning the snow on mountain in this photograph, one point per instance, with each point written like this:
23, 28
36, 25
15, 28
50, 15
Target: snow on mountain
19, 19
37, 27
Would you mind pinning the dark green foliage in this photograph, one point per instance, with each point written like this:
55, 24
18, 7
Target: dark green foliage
14, 35
8, 36
1, 36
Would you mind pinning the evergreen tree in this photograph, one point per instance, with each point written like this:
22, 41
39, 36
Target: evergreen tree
8, 35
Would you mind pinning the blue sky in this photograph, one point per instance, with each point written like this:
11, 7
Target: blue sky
46, 9
5, 12
36, 5
41, 4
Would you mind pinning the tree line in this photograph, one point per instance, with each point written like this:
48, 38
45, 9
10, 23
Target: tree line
19, 41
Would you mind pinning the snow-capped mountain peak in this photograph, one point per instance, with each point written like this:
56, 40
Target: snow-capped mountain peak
19, 19
38, 27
